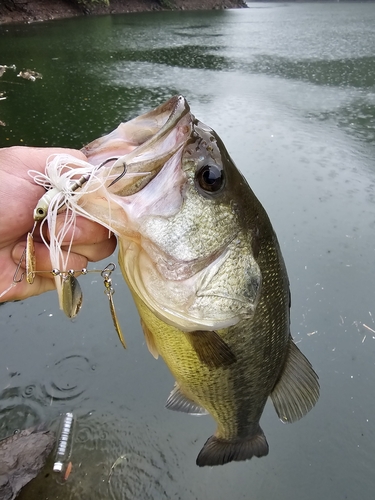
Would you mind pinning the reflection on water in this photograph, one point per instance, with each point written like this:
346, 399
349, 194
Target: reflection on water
358, 72
20, 408
186, 56
290, 88
358, 119
113, 457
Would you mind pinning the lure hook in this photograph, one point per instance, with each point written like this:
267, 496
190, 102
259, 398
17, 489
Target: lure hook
82, 180
119, 177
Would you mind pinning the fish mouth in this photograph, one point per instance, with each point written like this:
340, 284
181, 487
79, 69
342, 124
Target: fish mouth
149, 197
142, 146
164, 269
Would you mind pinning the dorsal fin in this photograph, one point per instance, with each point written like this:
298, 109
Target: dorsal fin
297, 389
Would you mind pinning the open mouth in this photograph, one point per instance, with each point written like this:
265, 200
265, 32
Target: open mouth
137, 150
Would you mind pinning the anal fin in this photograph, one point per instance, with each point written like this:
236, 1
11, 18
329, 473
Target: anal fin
179, 402
297, 389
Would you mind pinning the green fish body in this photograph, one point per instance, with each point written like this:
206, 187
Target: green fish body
203, 263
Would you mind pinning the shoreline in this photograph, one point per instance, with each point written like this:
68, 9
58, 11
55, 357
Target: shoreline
31, 11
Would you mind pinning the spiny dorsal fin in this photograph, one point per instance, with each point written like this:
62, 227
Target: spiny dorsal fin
217, 451
179, 402
150, 341
211, 348
297, 389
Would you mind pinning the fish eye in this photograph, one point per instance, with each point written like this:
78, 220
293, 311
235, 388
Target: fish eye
210, 178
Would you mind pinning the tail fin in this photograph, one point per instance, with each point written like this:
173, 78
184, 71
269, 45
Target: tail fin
218, 451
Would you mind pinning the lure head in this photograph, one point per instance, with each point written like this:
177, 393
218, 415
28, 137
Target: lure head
40, 212
41, 209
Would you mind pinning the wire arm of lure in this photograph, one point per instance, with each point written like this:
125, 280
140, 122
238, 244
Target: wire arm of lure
41, 209
17, 277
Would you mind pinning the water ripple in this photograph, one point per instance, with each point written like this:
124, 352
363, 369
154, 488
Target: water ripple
20, 408
114, 457
68, 378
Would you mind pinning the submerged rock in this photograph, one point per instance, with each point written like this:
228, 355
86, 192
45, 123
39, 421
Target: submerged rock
22, 456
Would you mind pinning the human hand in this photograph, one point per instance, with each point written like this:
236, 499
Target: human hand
18, 198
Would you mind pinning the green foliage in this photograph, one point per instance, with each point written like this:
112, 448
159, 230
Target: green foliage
167, 4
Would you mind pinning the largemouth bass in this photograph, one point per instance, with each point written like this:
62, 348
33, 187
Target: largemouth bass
204, 266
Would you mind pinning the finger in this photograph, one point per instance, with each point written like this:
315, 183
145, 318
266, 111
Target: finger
97, 251
18, 192
86, 232
78, 257
21, 159
23, 290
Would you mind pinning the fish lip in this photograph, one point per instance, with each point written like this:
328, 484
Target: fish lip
180, 109
140, 163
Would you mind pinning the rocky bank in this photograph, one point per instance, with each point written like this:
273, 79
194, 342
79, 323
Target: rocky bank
27, 11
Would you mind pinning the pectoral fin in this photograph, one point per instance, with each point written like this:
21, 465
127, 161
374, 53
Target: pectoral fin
179, 402
150, 341
297, 389
211, 348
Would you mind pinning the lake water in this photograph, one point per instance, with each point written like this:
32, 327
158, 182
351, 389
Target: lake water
290, 88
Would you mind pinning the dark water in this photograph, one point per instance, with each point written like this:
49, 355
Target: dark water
290, 88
